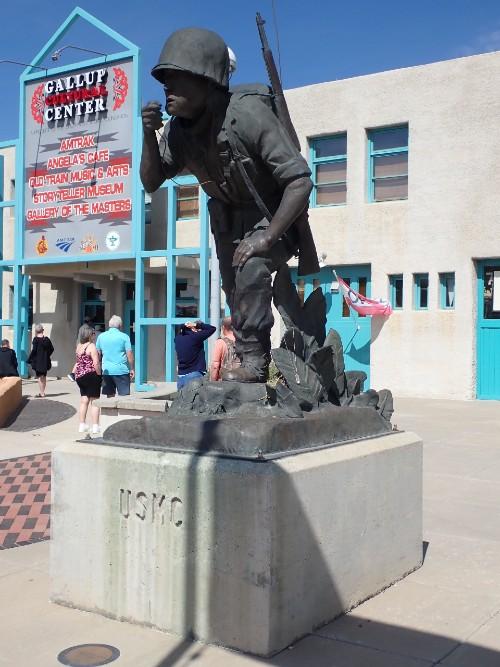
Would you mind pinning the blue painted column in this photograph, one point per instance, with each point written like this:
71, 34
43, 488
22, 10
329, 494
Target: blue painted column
20, 336
204, 307
140, 361
1, 217
2, 269
171, 282
204, 258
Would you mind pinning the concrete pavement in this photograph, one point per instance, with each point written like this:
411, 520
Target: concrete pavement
446, 613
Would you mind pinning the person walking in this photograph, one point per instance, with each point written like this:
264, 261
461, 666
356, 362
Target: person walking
224, 356
8, 361
87, 322
117, 359
88, 377
190, 349
39, 358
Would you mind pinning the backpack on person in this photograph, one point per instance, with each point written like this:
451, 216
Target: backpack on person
230, 359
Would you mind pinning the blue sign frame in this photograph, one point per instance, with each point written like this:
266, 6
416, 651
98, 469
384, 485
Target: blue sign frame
21, 279
138, 253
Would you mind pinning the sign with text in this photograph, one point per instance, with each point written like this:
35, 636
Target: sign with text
78, 163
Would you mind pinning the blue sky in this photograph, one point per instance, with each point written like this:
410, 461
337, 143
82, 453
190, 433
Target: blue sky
320, 40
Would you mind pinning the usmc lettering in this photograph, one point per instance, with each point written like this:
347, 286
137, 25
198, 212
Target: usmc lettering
151, 508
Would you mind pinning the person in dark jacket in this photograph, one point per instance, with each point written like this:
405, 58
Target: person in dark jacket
39, 358
191, 361
8, 361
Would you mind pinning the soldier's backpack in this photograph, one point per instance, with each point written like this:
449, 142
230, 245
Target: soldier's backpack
230, 359
308, 257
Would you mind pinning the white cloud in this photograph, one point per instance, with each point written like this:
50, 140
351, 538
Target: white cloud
484, 43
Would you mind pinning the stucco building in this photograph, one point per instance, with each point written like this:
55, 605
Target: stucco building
434, 249
405, 207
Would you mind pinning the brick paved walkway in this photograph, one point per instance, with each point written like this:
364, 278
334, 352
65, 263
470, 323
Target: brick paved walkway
24, 500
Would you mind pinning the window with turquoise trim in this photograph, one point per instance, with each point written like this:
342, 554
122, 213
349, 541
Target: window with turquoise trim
188, 205
447, 291
388, 163
421, 291
329, 170
396, 291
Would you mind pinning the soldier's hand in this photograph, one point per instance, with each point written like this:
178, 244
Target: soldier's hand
151, 117
257, 244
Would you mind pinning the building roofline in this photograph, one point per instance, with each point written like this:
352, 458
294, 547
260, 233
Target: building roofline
436, 64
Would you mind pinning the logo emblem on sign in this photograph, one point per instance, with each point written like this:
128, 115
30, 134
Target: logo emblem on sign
89, 244
38, 104
42, 246
65, 244
112, 240
120, 87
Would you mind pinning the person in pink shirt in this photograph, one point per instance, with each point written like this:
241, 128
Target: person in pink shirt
224, 355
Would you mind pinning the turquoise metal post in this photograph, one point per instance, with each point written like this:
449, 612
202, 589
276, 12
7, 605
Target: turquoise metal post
1, 244
171, 282
204, 258
24, 320
138, 235
140, 366
204, 264
21, 334
20, 340
6, 264
1, 218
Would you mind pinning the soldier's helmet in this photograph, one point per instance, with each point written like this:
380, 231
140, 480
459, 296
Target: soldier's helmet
195, 50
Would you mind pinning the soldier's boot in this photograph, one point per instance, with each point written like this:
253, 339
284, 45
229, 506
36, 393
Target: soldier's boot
252, 369
243, 374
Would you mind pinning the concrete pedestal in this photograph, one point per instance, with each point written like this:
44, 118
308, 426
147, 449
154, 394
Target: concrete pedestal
249, 555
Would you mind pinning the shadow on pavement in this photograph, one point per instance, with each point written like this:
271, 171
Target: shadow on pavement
377, 645
37, 413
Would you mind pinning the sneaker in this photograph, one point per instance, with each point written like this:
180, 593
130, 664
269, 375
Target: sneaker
83, 428
71, 376
96, 430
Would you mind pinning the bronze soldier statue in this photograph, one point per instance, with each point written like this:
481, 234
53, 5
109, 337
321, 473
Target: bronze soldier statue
236, 147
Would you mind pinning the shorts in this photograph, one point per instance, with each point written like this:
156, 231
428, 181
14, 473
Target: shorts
90, 385
41, 374
111, 384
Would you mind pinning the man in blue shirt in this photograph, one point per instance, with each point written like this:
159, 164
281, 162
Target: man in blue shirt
189, 346
117, 359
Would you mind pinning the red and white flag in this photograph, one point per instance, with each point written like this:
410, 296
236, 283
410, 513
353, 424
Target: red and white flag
362, 304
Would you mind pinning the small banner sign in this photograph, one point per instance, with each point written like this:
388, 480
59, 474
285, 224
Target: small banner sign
362, 304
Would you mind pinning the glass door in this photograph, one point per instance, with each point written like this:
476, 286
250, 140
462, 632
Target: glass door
488, 329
